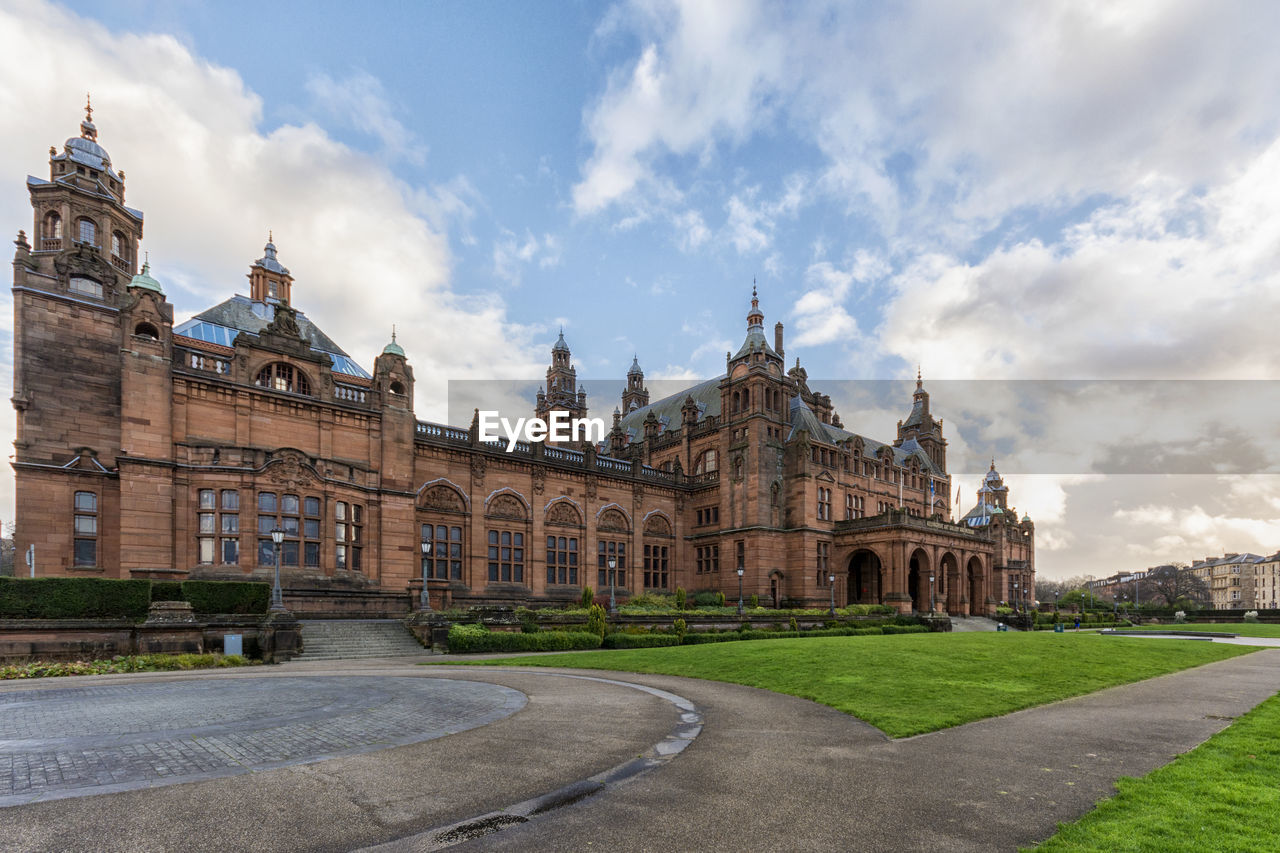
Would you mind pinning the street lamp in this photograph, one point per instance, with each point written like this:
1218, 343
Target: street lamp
740, 589
1015, 597
277, 597
613, 576
831, 582
931, 604
424, 601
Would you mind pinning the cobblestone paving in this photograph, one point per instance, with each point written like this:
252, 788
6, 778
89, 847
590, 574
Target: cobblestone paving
68, 742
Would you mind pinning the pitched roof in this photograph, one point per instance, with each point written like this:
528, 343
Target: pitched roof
221, 323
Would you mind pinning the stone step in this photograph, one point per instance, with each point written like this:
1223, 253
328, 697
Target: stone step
346, 639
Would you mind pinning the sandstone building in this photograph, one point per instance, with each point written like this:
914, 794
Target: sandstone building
149, 449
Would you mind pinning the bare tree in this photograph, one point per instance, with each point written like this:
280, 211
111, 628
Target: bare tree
1173, 586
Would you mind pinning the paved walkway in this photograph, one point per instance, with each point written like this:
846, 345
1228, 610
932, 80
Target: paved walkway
767, 772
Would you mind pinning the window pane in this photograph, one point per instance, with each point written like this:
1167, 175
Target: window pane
493, 537
205, 551
340, 511
517, 539
206, 499
290, 526
311, 506
230, 551
311, 528
86, 552
86, 502
266, 552
86, 525
455, 570
266, 523
355, 533
289, 504
455, 533
207, 520
288, 553
356, 564
455, 550
341, 554
230, 499
340, 532
267, 502
357, 513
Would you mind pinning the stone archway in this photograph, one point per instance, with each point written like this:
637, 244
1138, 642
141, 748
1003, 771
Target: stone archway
918, 569
949, 583
866, 576
974, 587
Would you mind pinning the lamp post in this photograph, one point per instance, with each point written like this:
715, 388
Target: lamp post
424, 601
277, 597
740, 589
613, 576
1015, 597
831, 582
931, 602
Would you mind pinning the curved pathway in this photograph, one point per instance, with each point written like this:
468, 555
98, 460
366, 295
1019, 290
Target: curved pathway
767, 772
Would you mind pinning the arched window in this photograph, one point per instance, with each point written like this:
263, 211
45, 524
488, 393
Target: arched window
146, 330
52, 226
282, 377
87, 231
705, 462
397, 388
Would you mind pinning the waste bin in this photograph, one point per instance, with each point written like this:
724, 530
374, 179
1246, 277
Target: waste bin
233, 644
1057, 628
1002, 627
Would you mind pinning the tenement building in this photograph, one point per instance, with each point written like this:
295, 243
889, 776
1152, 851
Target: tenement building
149, 449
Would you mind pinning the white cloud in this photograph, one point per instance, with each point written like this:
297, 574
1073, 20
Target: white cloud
692, 230
821, 315
511, 254
360, 103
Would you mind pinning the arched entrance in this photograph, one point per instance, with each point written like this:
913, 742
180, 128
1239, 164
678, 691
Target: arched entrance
865, 578
775, 587
973, 577
918, 580
949, 583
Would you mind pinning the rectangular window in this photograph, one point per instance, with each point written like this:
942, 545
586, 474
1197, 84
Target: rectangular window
506, 556
230, 500
85, 524
445, 559
655, 566
207, 499
562, 560
618, 552
267, 502
230, 551
205, 550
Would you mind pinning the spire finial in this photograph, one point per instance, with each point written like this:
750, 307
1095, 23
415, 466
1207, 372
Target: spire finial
88, 108
993, 463
271, 238
393, 333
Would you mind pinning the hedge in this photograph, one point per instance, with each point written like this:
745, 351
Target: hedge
639, 641
166, 591
477, 638
227, 596
74, 598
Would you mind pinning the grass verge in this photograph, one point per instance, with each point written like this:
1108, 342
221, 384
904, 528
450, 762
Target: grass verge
1244, 629
1222, 795
914, 683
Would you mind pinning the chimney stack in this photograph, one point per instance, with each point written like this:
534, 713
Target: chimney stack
777, 338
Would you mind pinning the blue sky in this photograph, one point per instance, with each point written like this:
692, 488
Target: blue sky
995, 191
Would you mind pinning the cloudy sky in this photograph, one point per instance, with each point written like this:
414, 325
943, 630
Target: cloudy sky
1016, 196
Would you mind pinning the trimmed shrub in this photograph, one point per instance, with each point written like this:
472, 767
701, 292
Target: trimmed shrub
588, 595
465, 639
639, 641
753, 602
708, 598
227, 596
681, 598
905, 629
680, 628
74, 598
596, 621
166, 591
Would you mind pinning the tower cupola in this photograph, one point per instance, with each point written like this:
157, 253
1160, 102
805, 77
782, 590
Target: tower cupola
269, 280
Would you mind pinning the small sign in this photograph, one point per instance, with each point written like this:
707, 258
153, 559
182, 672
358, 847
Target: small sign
233, 644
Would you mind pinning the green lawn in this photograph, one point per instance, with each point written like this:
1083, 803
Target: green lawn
913, 683
1223, 795
1244, 629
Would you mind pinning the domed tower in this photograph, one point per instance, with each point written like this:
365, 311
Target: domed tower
636, 396
921, 427
561, 393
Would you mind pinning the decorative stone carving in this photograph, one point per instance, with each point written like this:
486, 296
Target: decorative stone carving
565, 513
291, 469
590, 485
442, 498
657, 526
539, 480
506, 506
614, 521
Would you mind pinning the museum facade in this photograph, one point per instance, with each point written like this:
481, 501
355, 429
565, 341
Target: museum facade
149, 449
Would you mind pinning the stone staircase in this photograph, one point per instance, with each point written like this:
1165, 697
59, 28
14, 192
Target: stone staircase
342, 639
972, 623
